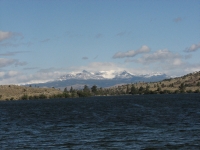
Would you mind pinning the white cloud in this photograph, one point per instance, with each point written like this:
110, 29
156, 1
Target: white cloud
100, 66
192, 68
8, 74
193, 47
106, 67
132, 53
6, 62
177, 62
167, 62
41, 76
160, 56
184, 69
14, 39
12, 73
174, 66
2, 74
5, 35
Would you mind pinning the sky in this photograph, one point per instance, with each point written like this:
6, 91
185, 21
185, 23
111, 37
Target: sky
41, 40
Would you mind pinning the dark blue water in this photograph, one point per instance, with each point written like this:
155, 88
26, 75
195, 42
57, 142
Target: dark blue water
120, 122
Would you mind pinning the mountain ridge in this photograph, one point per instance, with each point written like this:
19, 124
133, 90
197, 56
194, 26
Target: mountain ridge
101, 75
101, 79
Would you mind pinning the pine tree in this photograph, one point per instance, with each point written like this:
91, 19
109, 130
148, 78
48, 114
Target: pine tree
134, 90
86, 89
71, 89
94, 88
147, 89
182, 88
141, 90
65, 90
127, 89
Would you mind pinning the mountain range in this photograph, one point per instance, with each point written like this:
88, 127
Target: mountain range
100, 79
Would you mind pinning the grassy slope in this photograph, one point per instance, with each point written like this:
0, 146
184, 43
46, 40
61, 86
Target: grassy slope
15, 92
191, 82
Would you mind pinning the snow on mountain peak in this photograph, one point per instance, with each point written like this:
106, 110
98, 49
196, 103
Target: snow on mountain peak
153, 74
85, 75
123, 74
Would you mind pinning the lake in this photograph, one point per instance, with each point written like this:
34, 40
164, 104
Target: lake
170, 121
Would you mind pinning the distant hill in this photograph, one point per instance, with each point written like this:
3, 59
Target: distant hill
189, 83
14, 92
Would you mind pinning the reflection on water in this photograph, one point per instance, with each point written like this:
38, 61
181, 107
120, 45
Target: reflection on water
123, 122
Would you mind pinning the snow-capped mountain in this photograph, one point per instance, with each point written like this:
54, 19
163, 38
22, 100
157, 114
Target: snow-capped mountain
85, 75
101, 79
153, 75
123, 75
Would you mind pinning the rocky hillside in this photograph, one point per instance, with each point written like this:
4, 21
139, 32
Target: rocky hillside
189, 83
14, 92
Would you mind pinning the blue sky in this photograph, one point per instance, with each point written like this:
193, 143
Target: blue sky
41, 40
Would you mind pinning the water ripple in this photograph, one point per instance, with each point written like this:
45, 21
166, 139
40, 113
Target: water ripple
125, 122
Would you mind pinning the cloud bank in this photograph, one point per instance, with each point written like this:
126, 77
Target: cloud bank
7, 62
166, 62
41, 76
5, 35
132, 53
193, 48
161, 56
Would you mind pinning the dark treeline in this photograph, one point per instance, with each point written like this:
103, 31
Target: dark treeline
130, 89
